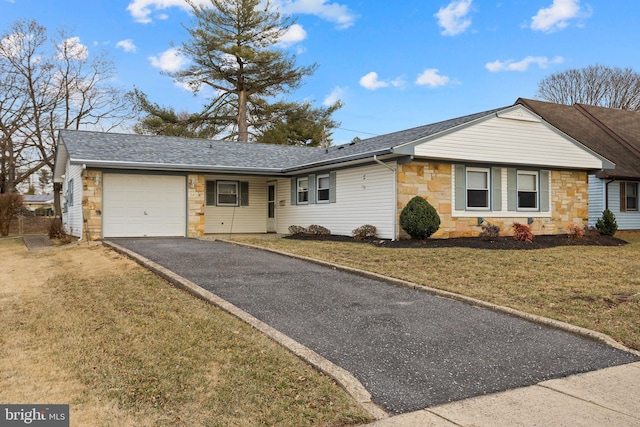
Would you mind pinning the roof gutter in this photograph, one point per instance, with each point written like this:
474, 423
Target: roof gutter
375, 159
174, 167
353, 157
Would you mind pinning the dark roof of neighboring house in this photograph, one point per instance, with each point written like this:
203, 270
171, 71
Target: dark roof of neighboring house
131, 150
38, 198
612, 133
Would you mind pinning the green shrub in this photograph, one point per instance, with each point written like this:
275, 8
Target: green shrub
607, 225
522, 232
419, 219
489, 232
318, 231
296, 230
364, 232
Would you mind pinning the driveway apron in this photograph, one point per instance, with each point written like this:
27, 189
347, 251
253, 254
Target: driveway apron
410, 349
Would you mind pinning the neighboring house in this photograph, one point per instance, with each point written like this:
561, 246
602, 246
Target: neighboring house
500, 166
41, 204
615, 135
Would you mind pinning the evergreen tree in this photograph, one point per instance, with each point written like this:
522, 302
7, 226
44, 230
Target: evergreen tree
234, 51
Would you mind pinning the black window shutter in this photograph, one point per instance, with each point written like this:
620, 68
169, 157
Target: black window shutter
244, 193
294, 191
211, 193
623, 196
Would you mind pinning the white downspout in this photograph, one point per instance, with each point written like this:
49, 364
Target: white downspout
395, 195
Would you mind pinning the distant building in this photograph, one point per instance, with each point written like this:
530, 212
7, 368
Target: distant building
40, 204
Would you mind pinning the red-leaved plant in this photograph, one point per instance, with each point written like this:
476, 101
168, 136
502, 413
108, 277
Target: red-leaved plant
575, 232
522, 232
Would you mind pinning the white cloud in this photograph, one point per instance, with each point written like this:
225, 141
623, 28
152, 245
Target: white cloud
12, 45
141, 10
556, 17
523, 65
169, 61
127, 45
370, 81
71, 48
332, 12
295, 34
335, 96
454, 18
431, 78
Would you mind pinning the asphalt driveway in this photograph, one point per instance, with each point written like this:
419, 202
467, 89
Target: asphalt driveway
410, 349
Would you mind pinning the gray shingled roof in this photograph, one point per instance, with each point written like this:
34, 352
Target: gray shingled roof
163, 152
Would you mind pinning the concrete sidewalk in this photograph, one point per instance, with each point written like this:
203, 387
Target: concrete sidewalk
608, 397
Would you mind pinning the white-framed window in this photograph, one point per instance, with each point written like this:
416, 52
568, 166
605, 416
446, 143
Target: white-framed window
227, 193
303, 190
323, 185
478, 188
527, 190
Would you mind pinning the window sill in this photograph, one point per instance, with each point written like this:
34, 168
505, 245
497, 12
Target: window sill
501, 214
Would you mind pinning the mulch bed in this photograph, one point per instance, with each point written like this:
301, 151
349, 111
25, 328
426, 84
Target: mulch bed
503, 242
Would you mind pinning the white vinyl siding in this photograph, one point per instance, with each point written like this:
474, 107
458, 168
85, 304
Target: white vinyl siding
72, 217
140, 205
507, 141
629, 220
364, 195
596, 199
239, 219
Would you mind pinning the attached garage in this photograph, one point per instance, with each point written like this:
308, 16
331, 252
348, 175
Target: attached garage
135, 205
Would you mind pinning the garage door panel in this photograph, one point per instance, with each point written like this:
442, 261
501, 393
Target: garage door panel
143, 205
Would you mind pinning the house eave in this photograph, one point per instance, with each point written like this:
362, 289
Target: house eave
110, 164
355, 158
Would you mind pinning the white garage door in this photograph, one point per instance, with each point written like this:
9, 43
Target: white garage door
143, 205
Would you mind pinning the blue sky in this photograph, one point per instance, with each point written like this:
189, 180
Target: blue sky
395, 65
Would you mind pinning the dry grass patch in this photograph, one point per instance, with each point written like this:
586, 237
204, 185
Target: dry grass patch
574, 284
87, 327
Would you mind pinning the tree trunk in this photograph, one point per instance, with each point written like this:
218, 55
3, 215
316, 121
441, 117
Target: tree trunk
57, 209
243, 126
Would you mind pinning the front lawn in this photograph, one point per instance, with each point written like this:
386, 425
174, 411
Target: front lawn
87, 327
575, 284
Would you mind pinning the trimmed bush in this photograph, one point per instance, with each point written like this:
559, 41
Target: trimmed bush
522, 232
364, 232
318, 230
607, 225
489, 232
296, 230
419, 219
575, 232
10, 204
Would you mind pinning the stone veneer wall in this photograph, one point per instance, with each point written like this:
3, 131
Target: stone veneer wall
195, 205
92, 204
569, 201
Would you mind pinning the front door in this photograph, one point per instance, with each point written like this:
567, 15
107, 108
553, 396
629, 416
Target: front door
271, 207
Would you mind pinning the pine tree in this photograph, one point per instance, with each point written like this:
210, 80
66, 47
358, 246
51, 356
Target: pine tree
233, 51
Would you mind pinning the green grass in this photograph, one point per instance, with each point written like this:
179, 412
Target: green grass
167, 358
574, 284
